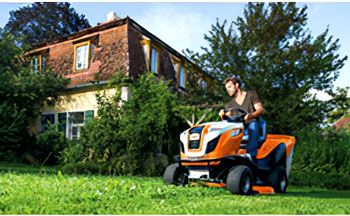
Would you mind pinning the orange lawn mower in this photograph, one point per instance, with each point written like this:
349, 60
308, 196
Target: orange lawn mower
214, 154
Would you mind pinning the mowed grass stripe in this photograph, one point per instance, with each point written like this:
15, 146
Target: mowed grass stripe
27, 193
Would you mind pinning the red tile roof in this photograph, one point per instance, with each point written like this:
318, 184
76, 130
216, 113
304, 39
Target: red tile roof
342, 122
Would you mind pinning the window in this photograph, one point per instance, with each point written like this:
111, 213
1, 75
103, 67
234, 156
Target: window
76, 120
38, 63
81, 55
35, 64
154, 60
182, 82
77, 117
204, 86
47, 119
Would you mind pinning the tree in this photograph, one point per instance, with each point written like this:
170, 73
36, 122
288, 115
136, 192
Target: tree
22, 95
272, 51
340, 103
45, 22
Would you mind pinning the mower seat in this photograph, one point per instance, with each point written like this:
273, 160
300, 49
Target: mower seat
262, 130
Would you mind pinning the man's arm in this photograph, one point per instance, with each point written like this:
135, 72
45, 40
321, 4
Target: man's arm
259, 109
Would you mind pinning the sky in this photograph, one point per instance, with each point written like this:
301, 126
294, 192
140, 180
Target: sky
183, 25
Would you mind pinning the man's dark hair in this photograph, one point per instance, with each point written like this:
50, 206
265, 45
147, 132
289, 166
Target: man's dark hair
234, 80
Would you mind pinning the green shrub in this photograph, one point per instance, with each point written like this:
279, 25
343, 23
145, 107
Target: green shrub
322, 159
22, 94
128, 138
145, 123
49, 145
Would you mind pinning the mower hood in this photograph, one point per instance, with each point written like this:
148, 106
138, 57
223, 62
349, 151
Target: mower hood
215, 129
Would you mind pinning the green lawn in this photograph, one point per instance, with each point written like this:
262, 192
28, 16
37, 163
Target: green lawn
49, 192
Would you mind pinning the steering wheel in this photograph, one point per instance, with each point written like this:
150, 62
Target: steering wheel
239, 117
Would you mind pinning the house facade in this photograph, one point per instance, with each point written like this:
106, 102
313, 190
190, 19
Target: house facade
96, 54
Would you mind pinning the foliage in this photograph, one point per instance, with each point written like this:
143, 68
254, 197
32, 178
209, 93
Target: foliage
42, 22
322, 159
9, 131
340, 103
128, 137
145, 120
22, 94
67, 194
100, 140
271, 49
49, 144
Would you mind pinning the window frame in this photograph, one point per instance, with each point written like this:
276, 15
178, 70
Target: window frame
76, 46
183, 65
39, 56
70, 124
158, 59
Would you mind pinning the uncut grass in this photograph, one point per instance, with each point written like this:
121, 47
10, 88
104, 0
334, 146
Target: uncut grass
59, 194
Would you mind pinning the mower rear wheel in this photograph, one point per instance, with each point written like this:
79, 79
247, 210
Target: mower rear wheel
278, 179
240, 180
176, 175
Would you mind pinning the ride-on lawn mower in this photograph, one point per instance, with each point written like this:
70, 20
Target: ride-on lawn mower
214, 154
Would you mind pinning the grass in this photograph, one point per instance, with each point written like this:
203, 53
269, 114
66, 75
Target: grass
53, 193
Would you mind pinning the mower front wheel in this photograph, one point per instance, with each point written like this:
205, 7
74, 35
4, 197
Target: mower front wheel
278, 179
240, 180
176, 175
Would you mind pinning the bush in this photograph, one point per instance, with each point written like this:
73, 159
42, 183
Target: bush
22, 94
49, 145
322, 159
145, 124
128, 138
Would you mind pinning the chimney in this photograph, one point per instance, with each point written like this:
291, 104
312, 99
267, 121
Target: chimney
111, 16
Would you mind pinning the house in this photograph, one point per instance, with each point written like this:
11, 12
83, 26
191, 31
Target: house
115, 46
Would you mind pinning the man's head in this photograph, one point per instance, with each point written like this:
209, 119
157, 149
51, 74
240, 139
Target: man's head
232, 85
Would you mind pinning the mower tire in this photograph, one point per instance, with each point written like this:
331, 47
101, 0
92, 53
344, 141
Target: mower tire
278, 179
240, 180
176, 175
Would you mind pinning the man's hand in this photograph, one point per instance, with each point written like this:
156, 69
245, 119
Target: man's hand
247, 117
221, 113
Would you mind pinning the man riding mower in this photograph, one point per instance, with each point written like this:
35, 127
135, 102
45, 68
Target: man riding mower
214, 153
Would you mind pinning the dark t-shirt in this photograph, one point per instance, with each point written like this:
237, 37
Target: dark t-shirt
250, 99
